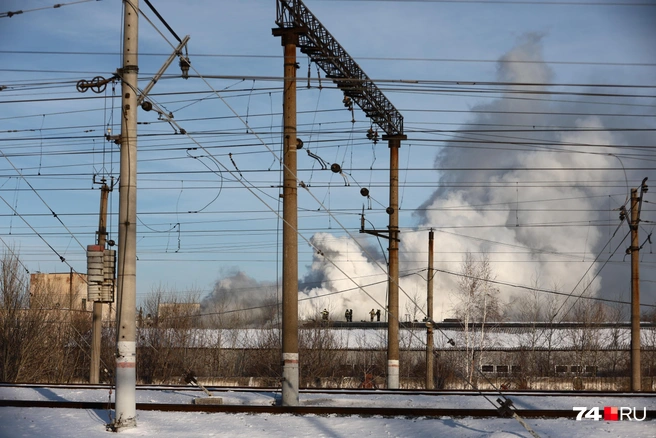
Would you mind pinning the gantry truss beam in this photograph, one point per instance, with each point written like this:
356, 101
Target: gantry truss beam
324, 50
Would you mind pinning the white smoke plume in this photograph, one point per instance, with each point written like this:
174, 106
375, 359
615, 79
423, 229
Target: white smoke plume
502, 205
238, 300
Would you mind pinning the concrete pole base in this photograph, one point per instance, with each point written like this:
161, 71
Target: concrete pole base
392, 374
207, 401
290, 379
120, 425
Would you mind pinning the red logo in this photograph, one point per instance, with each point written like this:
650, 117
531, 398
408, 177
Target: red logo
610, 413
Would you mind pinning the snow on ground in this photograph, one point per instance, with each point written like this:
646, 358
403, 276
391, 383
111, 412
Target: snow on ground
71, 423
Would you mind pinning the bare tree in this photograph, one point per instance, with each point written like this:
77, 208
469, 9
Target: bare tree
19, 331
478, 303
319, 353
586, 341
617, 340
40, 340
168, 335
415, 306
534, 308
649, 356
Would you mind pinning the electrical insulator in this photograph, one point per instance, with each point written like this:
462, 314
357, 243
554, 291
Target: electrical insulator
185, 64
109, 274
336, 168
101, 271
95, 268
372, 135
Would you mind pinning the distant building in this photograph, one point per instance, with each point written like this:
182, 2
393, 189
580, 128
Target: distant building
66, 290
63, 291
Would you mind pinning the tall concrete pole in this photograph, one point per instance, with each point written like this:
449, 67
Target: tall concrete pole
96, 329
290, 379
393, 275
126, 353
635, 294
429, 315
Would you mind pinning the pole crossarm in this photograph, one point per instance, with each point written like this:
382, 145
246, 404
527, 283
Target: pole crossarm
324, 50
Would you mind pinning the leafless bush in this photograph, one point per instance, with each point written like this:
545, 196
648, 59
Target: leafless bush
478, 302
40, 341
319, 353
167, 336
265, 355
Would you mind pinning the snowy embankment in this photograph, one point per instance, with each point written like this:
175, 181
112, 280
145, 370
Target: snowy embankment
69, 423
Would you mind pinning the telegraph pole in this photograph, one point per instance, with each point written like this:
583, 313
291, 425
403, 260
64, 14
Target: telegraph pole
290, 380
634, 250
394, 143
298, 24
126, 351
635, 294
429, 315
96, 329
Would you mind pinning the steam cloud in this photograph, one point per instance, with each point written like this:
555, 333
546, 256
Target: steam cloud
514, 186
239, 300
504, 209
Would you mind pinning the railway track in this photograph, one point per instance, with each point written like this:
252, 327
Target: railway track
302, 410
319, 410
354, 391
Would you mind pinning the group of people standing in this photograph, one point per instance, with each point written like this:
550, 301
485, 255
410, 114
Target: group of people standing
349, 315
375, 313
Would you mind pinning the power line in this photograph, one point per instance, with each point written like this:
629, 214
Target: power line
513, 2
11, 14
364, 58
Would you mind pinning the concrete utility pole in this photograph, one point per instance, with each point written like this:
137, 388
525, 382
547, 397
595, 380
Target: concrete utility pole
635, 294
290, 380
634, 250
393, 274
126, 351
429, 315
322, 48
96, 329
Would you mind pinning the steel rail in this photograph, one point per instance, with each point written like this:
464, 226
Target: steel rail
302, 410
351, 391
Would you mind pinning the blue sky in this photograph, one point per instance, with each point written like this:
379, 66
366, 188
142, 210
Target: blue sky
198, 222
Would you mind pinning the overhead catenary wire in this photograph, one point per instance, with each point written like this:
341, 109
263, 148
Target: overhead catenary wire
303, 185
44, 202
10, 14
365, 58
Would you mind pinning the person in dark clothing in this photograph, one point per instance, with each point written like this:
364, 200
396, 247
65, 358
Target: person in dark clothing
378, 315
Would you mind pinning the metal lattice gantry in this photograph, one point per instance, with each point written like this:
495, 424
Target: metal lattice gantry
324, 50
298, 27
